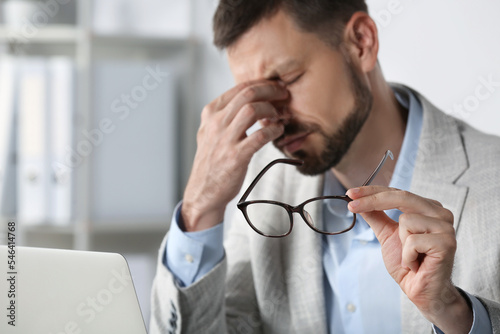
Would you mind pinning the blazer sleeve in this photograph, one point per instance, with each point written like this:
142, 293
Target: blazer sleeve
196, 309
222, 301
493, 309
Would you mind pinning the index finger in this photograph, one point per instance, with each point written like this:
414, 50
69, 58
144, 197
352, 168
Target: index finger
259, 92
379, 198
223, 100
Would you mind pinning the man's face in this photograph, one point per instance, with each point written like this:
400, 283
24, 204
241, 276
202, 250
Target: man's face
328, 101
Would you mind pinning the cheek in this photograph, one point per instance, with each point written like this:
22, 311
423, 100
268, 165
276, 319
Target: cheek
311, 105
305, 103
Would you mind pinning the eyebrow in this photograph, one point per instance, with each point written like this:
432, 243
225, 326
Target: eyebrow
273, 73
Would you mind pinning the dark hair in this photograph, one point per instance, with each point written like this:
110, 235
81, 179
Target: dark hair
326, 18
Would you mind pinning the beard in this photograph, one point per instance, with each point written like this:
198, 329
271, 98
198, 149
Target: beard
336, 144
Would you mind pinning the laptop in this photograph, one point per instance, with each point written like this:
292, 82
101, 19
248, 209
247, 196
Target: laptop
53, 291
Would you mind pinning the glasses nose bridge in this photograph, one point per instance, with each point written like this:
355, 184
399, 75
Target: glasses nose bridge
296, 209
299, 209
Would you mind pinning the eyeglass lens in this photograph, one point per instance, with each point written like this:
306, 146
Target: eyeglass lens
274, 220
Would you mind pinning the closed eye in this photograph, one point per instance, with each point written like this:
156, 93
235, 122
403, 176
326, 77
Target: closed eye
294, 80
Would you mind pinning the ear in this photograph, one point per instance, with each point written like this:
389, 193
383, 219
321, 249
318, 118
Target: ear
360, 42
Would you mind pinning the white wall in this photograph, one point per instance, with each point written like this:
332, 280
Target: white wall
446, 49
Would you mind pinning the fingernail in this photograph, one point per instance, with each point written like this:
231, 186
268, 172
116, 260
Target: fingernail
354, 204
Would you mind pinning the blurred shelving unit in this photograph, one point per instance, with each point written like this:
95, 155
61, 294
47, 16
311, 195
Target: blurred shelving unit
80, 42
50, 34
87, 46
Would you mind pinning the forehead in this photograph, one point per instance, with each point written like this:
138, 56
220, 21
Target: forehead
273, 46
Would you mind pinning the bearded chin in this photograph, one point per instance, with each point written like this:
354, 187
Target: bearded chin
335, 146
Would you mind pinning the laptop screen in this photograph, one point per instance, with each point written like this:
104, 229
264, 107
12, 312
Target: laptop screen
51, 291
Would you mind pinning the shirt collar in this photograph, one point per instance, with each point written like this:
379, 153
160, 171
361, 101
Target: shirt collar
403, 171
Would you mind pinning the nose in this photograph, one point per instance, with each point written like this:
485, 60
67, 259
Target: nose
283, 110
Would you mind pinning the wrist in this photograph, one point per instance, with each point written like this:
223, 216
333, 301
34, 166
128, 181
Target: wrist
194, 219
452, 314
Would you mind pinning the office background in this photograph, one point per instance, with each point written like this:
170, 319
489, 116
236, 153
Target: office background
100, 103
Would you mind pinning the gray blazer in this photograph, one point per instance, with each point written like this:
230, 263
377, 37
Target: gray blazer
266, 285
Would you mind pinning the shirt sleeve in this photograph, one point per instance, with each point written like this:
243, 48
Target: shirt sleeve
191, 255
481, 323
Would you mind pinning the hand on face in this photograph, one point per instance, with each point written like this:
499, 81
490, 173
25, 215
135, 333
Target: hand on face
418, 251
224, 150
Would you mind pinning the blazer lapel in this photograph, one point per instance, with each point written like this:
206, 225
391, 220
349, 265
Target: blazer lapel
440, 162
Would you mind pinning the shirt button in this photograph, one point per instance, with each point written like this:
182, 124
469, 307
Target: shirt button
363, 242
351, 308
189, 258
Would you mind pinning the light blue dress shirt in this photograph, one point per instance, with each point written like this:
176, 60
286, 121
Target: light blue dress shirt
357, 285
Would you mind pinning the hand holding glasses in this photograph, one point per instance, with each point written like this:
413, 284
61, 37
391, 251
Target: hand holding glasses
282, 213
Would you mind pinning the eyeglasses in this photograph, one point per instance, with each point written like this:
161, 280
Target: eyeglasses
274, 219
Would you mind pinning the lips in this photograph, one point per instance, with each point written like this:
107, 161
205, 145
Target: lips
293, 143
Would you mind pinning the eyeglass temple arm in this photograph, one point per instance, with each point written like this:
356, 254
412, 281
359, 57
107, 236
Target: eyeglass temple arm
388, 153
294, 162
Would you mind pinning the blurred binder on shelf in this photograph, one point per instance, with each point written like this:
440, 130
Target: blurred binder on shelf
62, 83
33, 157
7, 138
134, 143
45, 133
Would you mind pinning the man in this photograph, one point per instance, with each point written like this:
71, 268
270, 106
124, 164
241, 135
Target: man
308, 72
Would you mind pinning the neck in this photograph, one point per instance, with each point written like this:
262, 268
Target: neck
383, 130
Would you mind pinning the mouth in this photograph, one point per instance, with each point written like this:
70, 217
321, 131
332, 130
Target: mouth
291, 144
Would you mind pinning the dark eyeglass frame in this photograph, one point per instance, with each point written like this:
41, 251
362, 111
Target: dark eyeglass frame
243, 204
